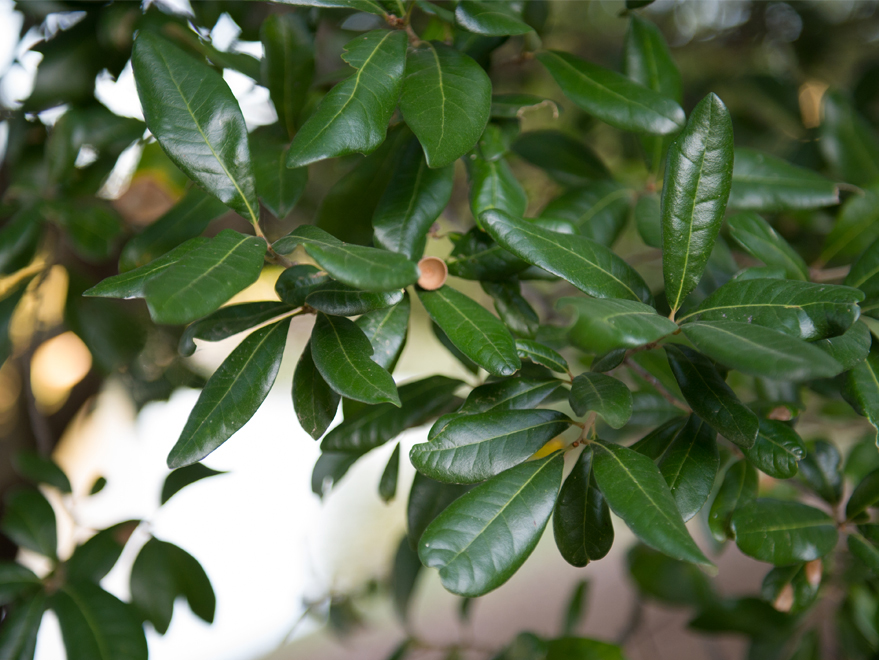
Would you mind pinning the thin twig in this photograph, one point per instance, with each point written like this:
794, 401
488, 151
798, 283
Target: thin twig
659, 387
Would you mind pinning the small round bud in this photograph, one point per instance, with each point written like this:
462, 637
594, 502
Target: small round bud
433, 273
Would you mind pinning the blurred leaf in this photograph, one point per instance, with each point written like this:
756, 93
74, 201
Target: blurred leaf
18, 636
599, 210
16, 582
862, 388
848, 142
427, 499
821, 470
493, 186
514, 310
92, 560
783, 533
29, 521
41, 470
761, 241
278, 186
576, 607
857, 225
777, 450
564, 158
404, 577
493, 19
668, 580
604, 325
19, 239
182, 477
288, 65
387, 485
579, 648
767, 184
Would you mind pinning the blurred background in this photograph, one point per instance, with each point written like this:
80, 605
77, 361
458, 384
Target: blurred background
292, 570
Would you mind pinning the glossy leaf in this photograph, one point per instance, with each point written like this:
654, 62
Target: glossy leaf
509, 394
483, 537
205, 278
229, 321
413, 200
800, 309
367, 6
295, 283
601, 394
542, 355
446, 101
821, 470
768, 184
18, 636
711, 398
648, 220
493, 19
477, 257
493, 186
598, 210
857, 225
232, 395
761, 241
581, 521
364, 268
207, 140
473, 448
279, 187
564, 158
698, 176
427, 499
387, 485
611, 97
288, 65
386, 330
637, 492
739, 485
777, 450
689, 465
515, 311
783, 533
39, 469
864, 273
604, 325
865, 495
341, 353
183, 477
760, 351
473, 330
589, 266
340, 299
29, 521
848, 141
314, 401
353, 117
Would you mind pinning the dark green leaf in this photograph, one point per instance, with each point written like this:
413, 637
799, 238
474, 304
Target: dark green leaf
777, 450
739, 485
354, 116
783, 533
762, 242
848, 141
361, 267
648, 220
229, 321
821, 469
462, 359
668, 580
182, 477
565, 159
598, 393
509, 394
41, 470
427, 499
476, 447
493, 186
589, 266
580, 648
516, 313
19, 239
748, 616
482, 538
473, 330
329, 469
865, 495
576, 605
795, 581
18, 636
29, 521
314, 400
205, 278
649, 409
862, 387
195, 117
477, 257
387, 485
800, 309
637, 493
542, 355
7, 308
446, 101
295, 283
341, 353
340, 299
657, 442
611, 97
92, 560
865, 271
494, 19
368, 6
710, 397
604, 325
598, 210
16, 581
279, 187
96, 625
386, 330
857, 225
581, 522
764, 183
761, 351
689, 465
232, 395
288, 65
859, 547
92, 230
404, 577
413, 200
698, 176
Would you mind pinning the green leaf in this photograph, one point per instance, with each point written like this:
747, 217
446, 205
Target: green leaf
387, 485
386, 330
581, 522
353, 117
607, 396
493, 19
96, 625
132, 284
368, 6
698, 176
611, 97
564, 158
668, 580
638, 493
761, 351
92, 560
477, 257
295, 283
314, 401
38, 469
579, 648
205, 278
446, 101
16, 581
542, 355
182, 477
762, 242
341, 354
427, 499
747, 616
29, 521
794, 579
163, 572
576, 609
404, 576
858, 546
473, 448
482, 538
604, 325
18, 636
339, 299
509, 394
821, 470
857, 225
364, 268
92, 230
864, 273
800, 309
847, 141
711, 398
413, 200
515, 311
783, 533
194, 115
739, 486
777, 450
187, 219
19, 239
8, 304
493, 186
229, 321
279, 187
599, 210
473, 330
420, 401
689, 464
589, 266
232, 394
648, 220
768, 184
288, 65
864, 496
